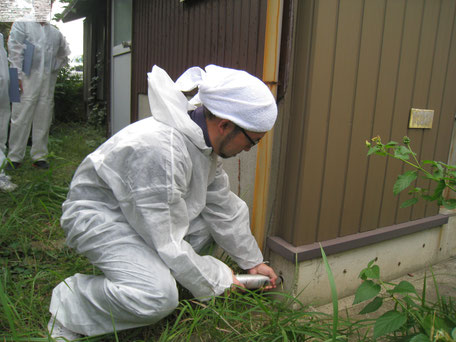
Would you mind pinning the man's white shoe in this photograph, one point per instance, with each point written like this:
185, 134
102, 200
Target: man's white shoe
60, 333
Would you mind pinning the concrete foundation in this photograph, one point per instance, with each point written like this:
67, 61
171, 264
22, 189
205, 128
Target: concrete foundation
308, 280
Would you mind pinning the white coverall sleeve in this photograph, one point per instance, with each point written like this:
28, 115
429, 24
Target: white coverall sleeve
16, 46
154, 205
61, 58
228, 219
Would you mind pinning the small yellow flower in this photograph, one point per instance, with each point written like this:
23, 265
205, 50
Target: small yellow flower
377, 140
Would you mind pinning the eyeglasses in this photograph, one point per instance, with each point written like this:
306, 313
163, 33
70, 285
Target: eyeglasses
252, 142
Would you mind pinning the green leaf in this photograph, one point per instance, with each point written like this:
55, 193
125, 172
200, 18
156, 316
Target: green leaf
449, 203
420, 338
372, 306
404, 287
389, 322
432, 162
377, 149
438, 190
404, 181
373, 272
439, 171
391, 144
367, 290
417, 190
453, 334
409, 202
402, 152
410, 302
431, 322
332, 284
364, 272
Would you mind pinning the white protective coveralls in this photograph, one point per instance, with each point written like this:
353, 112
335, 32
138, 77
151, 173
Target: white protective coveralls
5, 113
37, 100
5, 109
140, 207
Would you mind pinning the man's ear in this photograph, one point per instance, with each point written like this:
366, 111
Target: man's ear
224, 126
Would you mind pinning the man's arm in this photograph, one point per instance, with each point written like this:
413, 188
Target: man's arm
61, 58
16, 45
228, 219
151, 196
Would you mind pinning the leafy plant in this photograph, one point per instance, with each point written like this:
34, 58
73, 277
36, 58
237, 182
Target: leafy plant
5, 30
97, 107
59, 16
68, 97
442, 174
411, 317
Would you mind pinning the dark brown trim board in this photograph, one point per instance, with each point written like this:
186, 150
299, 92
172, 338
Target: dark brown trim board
342, 244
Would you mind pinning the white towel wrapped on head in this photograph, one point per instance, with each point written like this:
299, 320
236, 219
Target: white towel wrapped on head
232, 94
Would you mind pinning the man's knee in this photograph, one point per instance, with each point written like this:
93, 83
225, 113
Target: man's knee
164, 300
146, 306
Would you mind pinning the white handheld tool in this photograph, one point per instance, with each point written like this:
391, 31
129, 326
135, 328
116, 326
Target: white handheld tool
255, 281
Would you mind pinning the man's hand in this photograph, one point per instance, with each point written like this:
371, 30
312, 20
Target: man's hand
237, 285
267, 271
237, 282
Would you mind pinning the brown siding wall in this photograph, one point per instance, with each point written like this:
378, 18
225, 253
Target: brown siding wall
177, 35
359, 67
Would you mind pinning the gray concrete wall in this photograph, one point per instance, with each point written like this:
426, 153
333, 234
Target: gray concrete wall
308, 280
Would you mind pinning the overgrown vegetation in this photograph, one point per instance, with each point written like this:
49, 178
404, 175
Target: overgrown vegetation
33, 258
5, 30
97, 106
442, 175
412, 317
68, 96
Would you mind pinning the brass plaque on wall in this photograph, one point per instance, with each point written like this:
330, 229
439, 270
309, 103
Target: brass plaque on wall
421, 118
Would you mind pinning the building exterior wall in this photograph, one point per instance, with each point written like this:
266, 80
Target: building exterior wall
177, 35
358, 68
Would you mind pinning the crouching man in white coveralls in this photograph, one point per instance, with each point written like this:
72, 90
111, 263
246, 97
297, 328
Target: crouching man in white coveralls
146, 201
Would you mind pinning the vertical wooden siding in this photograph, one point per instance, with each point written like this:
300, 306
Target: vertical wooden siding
176, 36
360, 65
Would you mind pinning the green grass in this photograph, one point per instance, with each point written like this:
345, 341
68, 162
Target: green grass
33, 258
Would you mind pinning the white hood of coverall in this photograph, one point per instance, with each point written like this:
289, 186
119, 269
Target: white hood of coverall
169, 106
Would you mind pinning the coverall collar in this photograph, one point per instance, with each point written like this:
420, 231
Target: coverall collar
198, 117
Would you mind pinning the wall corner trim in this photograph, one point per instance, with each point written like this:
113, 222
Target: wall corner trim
345, 243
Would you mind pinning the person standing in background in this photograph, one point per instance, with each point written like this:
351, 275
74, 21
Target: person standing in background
47, 51
5, 108
5, 113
